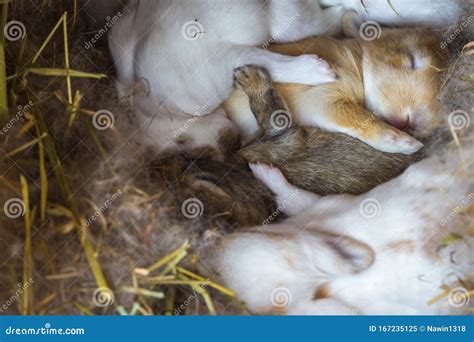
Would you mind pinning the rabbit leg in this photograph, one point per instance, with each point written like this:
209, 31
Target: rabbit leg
304, 69
268, 107
294, 20
290, 199
349, 118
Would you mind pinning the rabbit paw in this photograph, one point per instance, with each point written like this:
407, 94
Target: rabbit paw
311, 70
271, 177
395, 141
252, 79
290, 199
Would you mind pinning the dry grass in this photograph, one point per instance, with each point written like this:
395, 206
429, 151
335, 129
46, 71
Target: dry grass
139, 250
65, 257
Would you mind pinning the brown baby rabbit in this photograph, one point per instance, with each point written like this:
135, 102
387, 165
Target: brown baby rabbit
385, 87
312, 159
230, 196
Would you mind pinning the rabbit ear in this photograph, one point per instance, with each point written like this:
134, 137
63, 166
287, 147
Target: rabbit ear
321, 251
352, 256
351, 23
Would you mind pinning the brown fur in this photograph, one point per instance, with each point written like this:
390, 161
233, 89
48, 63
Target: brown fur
231, 196
401, 88
322, 292
402, 246
313, 159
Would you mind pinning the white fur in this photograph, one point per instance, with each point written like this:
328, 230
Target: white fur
433, 13
310, 108
402, 279
194, 76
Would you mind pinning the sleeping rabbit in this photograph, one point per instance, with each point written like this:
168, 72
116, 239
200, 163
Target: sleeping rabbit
403, 248
313, 159
178, 58
174, 59
386, 88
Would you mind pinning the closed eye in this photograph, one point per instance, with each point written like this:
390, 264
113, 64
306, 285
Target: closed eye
417, 61
412, 59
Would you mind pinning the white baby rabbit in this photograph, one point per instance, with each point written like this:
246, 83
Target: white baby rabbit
402, 248
177, 57
182, 54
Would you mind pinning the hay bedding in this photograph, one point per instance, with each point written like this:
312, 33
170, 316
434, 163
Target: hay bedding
112, 218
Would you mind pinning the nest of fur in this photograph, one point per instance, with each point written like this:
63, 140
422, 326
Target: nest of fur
113, 234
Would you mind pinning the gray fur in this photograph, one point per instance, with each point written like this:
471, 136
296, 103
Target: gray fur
315, 160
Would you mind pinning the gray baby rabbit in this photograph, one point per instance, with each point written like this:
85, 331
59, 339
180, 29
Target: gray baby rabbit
310, 158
